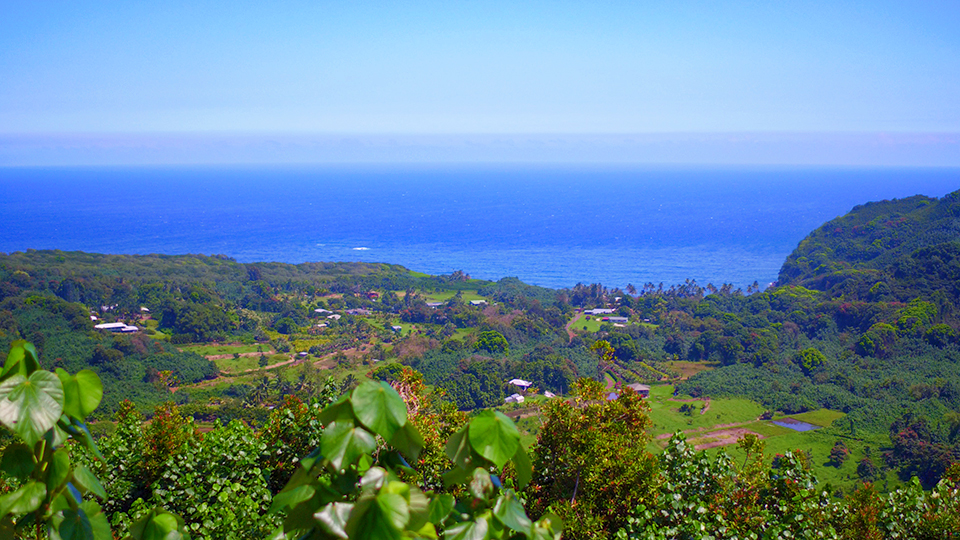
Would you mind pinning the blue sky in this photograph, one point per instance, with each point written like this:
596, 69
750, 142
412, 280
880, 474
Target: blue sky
76, 71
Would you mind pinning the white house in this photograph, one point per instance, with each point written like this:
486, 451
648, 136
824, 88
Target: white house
515, 398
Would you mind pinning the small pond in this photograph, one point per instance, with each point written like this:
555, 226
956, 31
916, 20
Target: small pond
795, 425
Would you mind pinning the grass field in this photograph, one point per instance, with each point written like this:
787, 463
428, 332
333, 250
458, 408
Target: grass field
744, 415
213, 350
443, 296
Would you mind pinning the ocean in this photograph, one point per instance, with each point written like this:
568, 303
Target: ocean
554, 226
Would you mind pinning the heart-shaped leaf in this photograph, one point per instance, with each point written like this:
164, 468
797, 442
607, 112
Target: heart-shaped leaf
510, 512
408, 441
379, 407
333, 518
81, 392
440, 507
74, 525
343, 442
88, 481
22, 360
494, 437
469, 530
26, 499
521, 462
18, 461
31, 406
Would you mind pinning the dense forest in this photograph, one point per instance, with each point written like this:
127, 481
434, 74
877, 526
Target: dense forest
245, 360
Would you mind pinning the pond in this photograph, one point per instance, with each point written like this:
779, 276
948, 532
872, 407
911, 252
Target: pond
795, 425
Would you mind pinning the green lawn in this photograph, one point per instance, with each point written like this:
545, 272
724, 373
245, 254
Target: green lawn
443, 296
667, 418
211, 350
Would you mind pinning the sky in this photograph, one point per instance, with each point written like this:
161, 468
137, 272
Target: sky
194, 81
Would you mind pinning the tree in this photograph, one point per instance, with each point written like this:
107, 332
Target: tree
590, 460
839, 453
492, 342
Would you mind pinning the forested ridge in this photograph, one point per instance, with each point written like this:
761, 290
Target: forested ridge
862, 324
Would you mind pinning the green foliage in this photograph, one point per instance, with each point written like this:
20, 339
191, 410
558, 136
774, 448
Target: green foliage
47, 410
492, 342
811, 359
346, 489
590, 460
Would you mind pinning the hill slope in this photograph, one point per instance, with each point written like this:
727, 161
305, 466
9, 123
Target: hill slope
887, 250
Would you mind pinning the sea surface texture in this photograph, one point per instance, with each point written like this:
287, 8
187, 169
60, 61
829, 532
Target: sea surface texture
550, 226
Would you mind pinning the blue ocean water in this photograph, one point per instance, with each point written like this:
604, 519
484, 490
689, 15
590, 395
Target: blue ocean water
548, 225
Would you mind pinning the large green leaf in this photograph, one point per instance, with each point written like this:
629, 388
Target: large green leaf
75, 525
408, 441
338, 410
21, 360
494, 436
291, 497
26, 499
469, 530
440, 507
379, 407
459, 451
81, 392
18, 461
84, 477
58, 470
378, 517
333, 518
521, 462
158, 524
510, 512
342, 443
31, 406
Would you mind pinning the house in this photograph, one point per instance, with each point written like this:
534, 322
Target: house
373, 295
144, 309
335, 317
549, 394
358, 311
117, 327
521, 383
515, 398
622, 320
397, 328
322, 311
434, 305
599, 311
478, 302
641, 389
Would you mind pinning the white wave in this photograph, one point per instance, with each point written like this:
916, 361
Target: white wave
361, 249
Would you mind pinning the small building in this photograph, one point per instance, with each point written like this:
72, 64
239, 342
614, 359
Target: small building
515, 398
434, 305
599, 311
549, 394
397, 328
520, 383
478, 302
117, 327
144, 309
358, 311
373, 295
335, 317
322, 311
641, 389
621, 320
